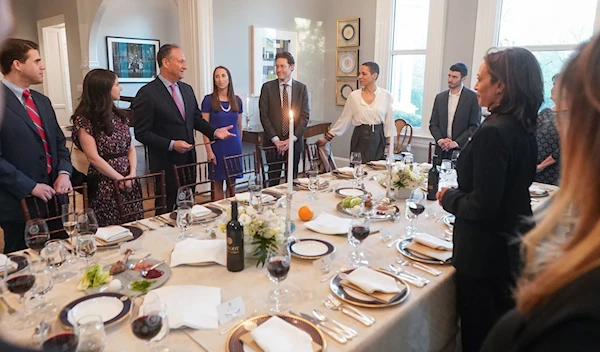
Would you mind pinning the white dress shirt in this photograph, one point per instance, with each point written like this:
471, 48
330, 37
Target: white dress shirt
452, 104
357, 112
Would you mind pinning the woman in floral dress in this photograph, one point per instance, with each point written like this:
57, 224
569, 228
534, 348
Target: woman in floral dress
101, 131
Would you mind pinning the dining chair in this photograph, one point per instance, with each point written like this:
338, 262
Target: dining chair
198, 176
273, 166
238, 169
311, 154
51, 211
404, 133
152, 187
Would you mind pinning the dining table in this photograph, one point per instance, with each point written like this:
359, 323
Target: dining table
426, 321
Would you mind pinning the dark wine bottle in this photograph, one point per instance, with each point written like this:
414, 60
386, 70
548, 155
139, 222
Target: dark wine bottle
433, 180
235, 241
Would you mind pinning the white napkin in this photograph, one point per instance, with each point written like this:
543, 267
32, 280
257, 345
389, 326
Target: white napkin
303, 181
536, 190
275, 335
189, 305
245, 197
345, 170
425, 167
378, 162
191, 251
4, 261
112, 233
328, 224
198, 210
370, 281
433, 242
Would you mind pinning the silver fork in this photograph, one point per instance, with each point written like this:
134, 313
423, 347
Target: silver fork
406, 272
333, 304
419, 266
147, 228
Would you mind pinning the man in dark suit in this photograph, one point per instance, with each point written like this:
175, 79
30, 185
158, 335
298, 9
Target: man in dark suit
166, 114
277, 99
33, 156
456, 114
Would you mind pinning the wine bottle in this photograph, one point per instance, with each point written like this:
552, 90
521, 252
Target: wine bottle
235, 241
433, 180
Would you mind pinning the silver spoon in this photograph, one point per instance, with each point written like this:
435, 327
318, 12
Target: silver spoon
145, 272
345, 330
132, 265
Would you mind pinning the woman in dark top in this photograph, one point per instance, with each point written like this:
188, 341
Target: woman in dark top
492, 201
548, 166
558, 296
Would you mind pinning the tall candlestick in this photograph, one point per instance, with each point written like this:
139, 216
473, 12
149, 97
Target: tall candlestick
290, 170
391, 150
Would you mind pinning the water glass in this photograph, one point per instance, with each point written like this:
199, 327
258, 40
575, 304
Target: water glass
85, 245
184, 220
255, 187
55, 254
313, 181
408, 158
355, 162
90, 333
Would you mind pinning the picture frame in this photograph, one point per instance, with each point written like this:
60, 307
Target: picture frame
133, 59
343, 88
348, 32
266, 43
346, 63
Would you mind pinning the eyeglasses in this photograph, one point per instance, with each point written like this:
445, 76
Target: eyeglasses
282, 66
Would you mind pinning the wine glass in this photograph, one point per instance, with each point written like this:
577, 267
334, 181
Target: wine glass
65, 341
43, 284
255, 186
55, 254
148, 320
87, 222
446, 168
90, 333
313, 180
36, 234
355, 162
69, 219
85, 246
415, 206
19, 283
359, 230
185, 197
278, 266
184, 219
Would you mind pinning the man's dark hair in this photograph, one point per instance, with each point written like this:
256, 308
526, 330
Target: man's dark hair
372, 66
287, 56
460, 67
14, 49
164, 52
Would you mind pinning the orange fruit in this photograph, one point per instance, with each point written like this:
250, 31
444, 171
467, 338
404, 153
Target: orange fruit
305, 213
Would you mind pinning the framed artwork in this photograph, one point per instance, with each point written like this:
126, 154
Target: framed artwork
348, 32
343, 89
133, 60
346, 63
266, 43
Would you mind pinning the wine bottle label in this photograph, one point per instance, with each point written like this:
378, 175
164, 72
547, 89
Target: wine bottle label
233, 249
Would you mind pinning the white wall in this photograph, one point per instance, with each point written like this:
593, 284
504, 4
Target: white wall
147, 19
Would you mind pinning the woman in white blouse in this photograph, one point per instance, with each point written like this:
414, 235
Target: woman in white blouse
369, 110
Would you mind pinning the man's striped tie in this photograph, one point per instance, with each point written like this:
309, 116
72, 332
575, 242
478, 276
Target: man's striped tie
37, 121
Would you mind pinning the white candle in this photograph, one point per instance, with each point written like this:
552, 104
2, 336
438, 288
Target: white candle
291, 154
391, 151
247, 104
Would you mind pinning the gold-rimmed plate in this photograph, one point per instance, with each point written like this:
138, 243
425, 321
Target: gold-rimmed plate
353, 298
310, 248
234, 344
401, 246
112, 307
215, 212
376, 215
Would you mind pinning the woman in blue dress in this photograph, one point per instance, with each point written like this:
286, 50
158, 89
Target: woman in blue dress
222, 108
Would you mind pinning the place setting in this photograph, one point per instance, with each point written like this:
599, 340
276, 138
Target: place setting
425, 248
538, 192
310, 248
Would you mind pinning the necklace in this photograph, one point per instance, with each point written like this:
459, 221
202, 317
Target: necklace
223, 108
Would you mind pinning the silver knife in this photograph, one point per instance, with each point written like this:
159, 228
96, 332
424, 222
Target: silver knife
319, 323
334, 335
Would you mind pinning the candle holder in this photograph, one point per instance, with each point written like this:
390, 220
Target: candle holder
388, 189
287, 234
248, 127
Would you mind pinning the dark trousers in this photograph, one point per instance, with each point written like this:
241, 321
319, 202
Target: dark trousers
481, 302
14, 236
274, 170
369, 141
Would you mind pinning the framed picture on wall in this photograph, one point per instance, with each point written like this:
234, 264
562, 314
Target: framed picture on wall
348, 32
266, 43
346, 63
132, 59
343, 88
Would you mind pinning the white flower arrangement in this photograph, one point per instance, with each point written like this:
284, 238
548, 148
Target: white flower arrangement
263, 231
403, 176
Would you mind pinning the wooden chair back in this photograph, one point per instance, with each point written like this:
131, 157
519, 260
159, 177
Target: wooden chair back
197, 176
150, 199
273, 166
238, 168
404, 133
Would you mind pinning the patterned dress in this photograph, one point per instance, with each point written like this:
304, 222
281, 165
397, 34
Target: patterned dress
114, 150
548, 144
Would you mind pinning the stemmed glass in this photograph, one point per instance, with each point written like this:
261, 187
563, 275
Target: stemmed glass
90, 333
64, 341
43, 284
255, 186
55, 254
148, 320
356, 163
313, 180
359, 230
184, 220
446, 168
278, 266
36, 234
415, 206
69, 220
85, 243
185, 197
21, 282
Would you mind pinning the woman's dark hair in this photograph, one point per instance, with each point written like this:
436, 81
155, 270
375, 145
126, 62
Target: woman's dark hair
372, 66
521, 75
215, 103
96, 103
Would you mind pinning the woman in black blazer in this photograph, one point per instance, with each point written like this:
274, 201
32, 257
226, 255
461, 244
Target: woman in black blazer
558, 305
492, 203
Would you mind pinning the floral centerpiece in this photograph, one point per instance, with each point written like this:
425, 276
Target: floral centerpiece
405, 179
263, 231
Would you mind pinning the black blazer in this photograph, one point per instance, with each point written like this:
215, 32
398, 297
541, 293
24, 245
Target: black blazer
22, 155
466, 118
158, 121
569, 321
492, 202
270, 110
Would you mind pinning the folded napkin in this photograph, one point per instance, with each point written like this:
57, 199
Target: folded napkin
345, 170
193, 251
245, 197
4, 261
303, 181
370, 281
429, 252
199, 211
537, 190
275, 335
112, 233
328, 224
376, 296
433, 242
189, 305
378, 162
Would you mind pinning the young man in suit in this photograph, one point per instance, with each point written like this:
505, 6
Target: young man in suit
277, 99
456, 114
33, 156
166, 114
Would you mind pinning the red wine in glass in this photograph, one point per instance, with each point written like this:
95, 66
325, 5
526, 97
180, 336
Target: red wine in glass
66, 342
416, 208
147, 327
360, 232
37, 242
278, 268
20, 284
